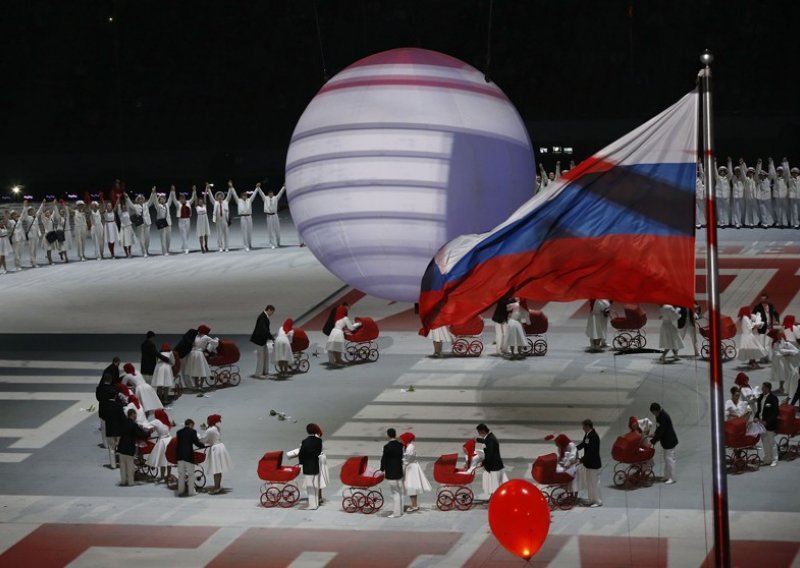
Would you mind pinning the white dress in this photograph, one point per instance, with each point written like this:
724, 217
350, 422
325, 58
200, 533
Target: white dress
441, 334
283, 346
158, 457
141, 417
515, 336
569, 464
195, 362
668, 337
217, 458
144, 392
743, 410
597, 324
785, 360
414, 479
5, 242
110, 227
126, 228
750, 345
162, 375
336, 338
203, 228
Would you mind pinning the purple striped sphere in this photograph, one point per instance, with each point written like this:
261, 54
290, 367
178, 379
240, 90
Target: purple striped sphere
396, 155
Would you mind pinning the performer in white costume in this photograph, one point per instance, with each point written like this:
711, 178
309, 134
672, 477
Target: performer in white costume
163, 217
217, 459
722, 193
161, 425
183, 212
126, 228
244, 207
335, 344
222, 219
597, 324
751, 348
163, 379
144, 392
793, 183
751, 212
81, 229
516, 340
203, 227
96, 230
780, 193
700, 197
414, 480
283, 347
195, 364
439, 335
273, 221
110, 231
737, 193
142, 209
669, 338
766, 212
30, 223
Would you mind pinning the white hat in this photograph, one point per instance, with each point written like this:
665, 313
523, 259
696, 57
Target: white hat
723, 168
795, 170
751, 169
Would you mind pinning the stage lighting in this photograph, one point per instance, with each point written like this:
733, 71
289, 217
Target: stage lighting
543, 150
568, 149
16, 189
556, 149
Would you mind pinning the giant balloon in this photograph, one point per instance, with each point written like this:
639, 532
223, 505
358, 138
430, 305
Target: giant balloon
397, 154
519, 517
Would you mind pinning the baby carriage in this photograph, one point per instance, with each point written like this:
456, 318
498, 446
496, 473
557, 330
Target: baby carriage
788, 428
741, 453
359, 346
277, 489
557, 489
727, 343
630, 328
634, 465
300, 343
359, 496
536, 333
454, 491
172, 460
224, 370
468, 338
143, 449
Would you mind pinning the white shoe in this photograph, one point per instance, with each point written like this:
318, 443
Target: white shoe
774, 463
393, 516
272, 247
598, 504
185, 252
227, 250
3, 271
220, 250
246, 249
669, 481
146, 255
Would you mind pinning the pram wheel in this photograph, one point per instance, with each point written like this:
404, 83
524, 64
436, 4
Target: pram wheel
729, 352
199, 479
475, 348
303, 366
754, 461
223, 377
350, 353
289, 495
620, 478
348, 505
235, 379
445, 501
540, 347
373, 355
172, 482
359, 500
460, 347
363, 353
271, 497
375, 500
621, 341
463, 498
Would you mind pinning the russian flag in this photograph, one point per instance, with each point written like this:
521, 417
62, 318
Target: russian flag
620, 225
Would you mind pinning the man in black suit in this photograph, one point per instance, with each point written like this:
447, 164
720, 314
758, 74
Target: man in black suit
131, 432
591, 462
492, 462
262, 337
665, 434
767, 412
150, 355
184, 454
392, 465
500, 319
113, 370
769, 317
310, 450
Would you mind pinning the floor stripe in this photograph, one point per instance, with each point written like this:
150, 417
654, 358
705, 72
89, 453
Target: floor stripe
6, 457
489, 415
26, 364
488, 396
47, 379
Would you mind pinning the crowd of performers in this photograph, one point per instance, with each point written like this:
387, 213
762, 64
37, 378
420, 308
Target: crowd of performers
122, 226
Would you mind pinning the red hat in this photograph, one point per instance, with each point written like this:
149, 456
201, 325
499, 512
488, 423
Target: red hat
135, 401
162, 416
423, 331
744, 311
203, 328
287, 325
562, 441
341, 312
166, 347
469, 448
123, 389
788, 322
213, 419
742, 380
129, 368
406, 438
633, 424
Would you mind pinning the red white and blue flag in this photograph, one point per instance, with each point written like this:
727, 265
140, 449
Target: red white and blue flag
620, 225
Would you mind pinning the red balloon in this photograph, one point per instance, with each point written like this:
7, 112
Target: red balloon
519, 517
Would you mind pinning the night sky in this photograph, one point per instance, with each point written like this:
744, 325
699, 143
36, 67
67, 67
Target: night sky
222, 83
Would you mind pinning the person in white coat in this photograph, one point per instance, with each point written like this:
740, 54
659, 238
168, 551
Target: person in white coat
722, 194
335, 344
414, 480
700, 197
749, 394
160, 204
49, 225
125, 228
780, 193
793, 193
244, 208
140, 211
669, 338
597, 324
273, 220
144, 392
217, 459
16, 232
203, 226
439, 336
500, 319
283, 347
97, 230
161, 425
183, 212
751, 212
737, 193
163, 380
766, 212
516, 340
80, 229
110, 230
195, 364
6, 250
785, 363
567, 459
30, 224
751, 348
737, 407
222, 219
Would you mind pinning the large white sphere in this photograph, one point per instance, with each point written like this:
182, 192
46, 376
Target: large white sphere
397, 154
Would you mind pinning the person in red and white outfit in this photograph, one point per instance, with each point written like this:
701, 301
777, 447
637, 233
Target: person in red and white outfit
203, 228
283, 347
195, 364
335, 344
567, 458
244, 207
161, 424
217, 460
144, 392
315, 465
222, 219
163, 379
414, 480
183, 211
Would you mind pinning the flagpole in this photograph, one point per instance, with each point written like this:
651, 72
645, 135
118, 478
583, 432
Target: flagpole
721, 528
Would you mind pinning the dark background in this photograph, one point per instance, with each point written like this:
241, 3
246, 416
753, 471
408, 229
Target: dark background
183, 92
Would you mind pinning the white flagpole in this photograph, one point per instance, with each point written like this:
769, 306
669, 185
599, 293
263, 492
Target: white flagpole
721, 528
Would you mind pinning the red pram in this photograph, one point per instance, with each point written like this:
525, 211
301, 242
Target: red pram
741, 453
557, 485
788, 428
727, 344
453, 491
630, 328
300, 343
468, 338
143, 449
634, 465
172, 459
224, 371
359, 496
360, 345
277, 489
536, 332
